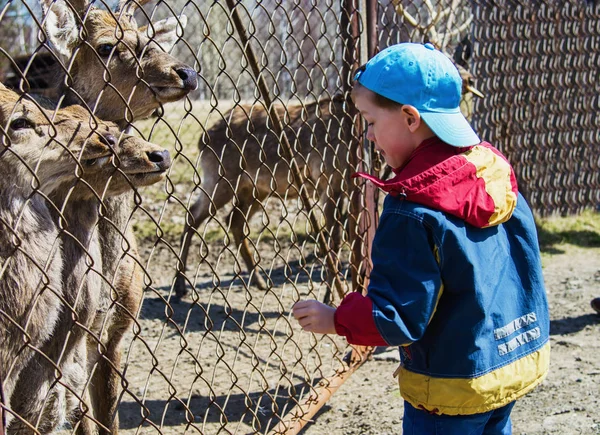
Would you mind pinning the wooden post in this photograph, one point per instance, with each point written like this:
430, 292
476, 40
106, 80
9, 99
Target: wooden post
350, 27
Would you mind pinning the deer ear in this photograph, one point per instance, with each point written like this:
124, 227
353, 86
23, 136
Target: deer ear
167, 32
62, 28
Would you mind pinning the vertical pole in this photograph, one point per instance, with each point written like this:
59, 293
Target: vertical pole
372, 42
360, 45
350, 25
370, 218
365, 201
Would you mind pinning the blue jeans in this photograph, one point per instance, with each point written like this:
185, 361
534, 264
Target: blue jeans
418, 422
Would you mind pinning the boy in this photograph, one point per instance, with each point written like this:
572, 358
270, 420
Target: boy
457, 280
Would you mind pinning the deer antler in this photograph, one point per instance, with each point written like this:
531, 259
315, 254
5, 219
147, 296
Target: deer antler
127, 8
442, 39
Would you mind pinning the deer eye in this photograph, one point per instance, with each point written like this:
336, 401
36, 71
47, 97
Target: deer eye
98, 161
21, 124
104, 50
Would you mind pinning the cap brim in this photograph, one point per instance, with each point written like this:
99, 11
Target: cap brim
452, 128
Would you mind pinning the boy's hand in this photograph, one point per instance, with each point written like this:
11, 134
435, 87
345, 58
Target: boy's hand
314, 316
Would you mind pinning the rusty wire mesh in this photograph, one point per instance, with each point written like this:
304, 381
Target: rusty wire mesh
538, 66
213, 349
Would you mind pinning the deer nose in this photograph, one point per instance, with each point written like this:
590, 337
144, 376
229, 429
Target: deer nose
108, 139
189, 77
162, 159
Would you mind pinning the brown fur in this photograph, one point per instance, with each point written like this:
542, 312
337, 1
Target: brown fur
142, 76
30, 255
241, 160
74, 180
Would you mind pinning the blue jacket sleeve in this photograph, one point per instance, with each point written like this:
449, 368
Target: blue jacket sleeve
405, 282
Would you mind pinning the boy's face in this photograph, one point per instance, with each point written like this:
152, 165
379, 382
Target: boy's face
388, 128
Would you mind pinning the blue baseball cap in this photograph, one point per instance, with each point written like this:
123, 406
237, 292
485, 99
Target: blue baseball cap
423, 77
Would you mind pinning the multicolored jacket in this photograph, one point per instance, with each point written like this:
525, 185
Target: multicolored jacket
456, 283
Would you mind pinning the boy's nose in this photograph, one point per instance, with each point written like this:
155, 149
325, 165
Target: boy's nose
370, 136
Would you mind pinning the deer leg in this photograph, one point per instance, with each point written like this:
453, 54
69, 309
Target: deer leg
122, 299
107, 378
51, 414
240, 216
86, 425
333, 215
104, 389
200, 211
41, 401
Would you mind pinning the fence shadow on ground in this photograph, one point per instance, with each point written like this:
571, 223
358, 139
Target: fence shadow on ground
157, 305
218, 317
240, 408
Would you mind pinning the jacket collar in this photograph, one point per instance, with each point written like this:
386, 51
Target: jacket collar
476, 183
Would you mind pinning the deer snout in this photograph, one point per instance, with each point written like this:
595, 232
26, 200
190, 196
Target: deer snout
161, 158
189, 77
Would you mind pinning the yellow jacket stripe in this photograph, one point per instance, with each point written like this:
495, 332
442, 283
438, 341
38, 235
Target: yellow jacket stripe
470, 396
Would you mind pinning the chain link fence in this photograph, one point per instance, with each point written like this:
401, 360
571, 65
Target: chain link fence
156, 236
536, 64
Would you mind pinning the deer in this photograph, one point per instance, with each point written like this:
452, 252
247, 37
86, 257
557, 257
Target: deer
122, 72
241, 162
30, 255
86, 172
78, 161
240, 150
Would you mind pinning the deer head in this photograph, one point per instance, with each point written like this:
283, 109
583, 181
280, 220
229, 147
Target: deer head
68, 153
121, 71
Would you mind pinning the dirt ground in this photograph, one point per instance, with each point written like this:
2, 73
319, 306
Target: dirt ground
566, 403
229, 359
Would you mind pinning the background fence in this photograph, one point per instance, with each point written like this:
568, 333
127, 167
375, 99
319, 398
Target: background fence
227, 357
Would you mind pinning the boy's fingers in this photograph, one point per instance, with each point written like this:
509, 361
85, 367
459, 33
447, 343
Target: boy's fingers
302, 316
298, 312
301, 305
313, 316
299, 316
304, 323
302, 308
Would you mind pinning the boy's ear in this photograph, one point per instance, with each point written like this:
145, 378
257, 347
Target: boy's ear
412, 117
